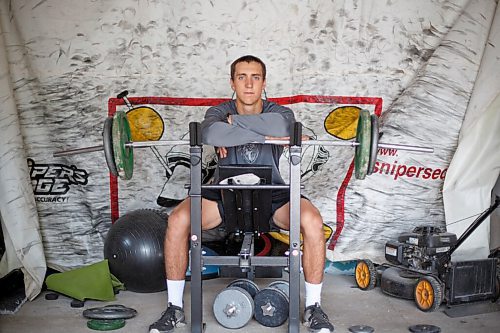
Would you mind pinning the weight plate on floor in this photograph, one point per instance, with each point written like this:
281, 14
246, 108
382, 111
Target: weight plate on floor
361, 329
51, 296
423, 328
281, 285
362, 150
271, 307
124, 156
107, 140
105, 324
246, 284
76, 303
233, 307
373, 143
114, 311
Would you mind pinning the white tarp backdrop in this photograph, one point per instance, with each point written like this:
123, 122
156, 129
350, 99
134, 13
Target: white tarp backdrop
65, 59
475, 166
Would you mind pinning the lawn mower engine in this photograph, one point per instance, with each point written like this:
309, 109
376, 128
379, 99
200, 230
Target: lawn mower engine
425, 249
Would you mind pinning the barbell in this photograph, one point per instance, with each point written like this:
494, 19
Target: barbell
118, 145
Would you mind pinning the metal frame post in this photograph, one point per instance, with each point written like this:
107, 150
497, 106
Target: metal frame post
195, 152
295, 253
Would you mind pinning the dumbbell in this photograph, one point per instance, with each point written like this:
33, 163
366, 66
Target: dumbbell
272, 304
234, 305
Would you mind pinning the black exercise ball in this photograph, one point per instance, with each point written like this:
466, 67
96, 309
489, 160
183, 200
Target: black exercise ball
134, 249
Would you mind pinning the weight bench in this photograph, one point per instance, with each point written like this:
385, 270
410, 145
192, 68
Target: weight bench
247, 214
245, 258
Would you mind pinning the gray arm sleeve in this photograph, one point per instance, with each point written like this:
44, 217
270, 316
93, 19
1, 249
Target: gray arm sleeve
215, 131
275, 121
267, 124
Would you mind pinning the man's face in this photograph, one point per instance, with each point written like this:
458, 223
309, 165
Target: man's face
248, 82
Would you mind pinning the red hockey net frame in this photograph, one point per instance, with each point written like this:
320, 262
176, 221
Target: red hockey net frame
313, 99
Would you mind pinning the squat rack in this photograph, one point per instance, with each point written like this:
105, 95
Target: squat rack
198, 260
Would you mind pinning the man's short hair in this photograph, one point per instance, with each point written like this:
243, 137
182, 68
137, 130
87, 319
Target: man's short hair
248, 58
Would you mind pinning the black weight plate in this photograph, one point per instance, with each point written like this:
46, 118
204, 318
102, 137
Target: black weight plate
116, 311
271, 307
107, 141
246, 284
77, 303
423, 328
282, 285
51, 296
361, 329
373, 144
105, 324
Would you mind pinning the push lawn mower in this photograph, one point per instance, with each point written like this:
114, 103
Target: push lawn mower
419, 267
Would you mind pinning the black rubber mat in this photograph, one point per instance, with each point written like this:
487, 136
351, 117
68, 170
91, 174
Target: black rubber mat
471, 309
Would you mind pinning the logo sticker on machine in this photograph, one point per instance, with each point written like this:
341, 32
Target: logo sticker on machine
391, 251
442, 249
413, 240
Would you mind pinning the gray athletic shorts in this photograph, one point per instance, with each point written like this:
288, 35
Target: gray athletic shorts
279, 199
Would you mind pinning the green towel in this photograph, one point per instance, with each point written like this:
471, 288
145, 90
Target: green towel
89, 282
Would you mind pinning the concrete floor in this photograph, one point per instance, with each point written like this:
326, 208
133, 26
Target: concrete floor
345, 304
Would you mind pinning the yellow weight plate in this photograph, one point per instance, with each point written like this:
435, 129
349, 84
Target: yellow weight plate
145, 124
342, 122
